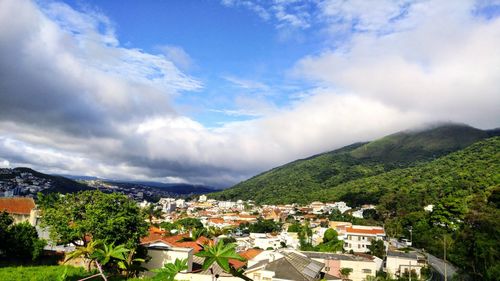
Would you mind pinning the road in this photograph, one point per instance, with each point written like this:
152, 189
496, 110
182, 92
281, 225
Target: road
438, 266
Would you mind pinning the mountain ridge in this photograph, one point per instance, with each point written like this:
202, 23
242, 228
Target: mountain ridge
287, 183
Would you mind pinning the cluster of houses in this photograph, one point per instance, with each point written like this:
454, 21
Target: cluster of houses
269, 256
14, 183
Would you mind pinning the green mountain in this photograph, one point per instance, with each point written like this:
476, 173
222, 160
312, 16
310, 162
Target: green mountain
321, 177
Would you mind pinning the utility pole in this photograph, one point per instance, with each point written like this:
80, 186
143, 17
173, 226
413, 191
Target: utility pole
445, 273
409, 275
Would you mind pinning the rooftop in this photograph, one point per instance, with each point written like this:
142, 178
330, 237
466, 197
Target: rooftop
17, 205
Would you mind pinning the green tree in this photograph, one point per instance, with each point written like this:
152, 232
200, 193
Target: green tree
101, 254
330, 243
170, 270
188, 224
345, 272
377, 248
151, 212
264, 226
220, 254
111, 218
295, 227
19, 240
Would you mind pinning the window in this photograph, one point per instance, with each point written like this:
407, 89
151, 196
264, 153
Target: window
256, 276
359, 238
327, 268
266, 278
367, 270
359, 246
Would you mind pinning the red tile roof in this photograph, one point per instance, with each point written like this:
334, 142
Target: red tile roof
373, 231
174, 241
248, 254
17, 205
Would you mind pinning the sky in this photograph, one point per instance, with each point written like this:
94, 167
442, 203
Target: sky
214, 92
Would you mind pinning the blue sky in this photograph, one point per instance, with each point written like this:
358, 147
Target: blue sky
214, 92
225, 44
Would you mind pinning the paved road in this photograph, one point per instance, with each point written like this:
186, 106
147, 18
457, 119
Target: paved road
438, 266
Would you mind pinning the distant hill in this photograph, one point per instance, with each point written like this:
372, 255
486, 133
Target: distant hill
59, 183
315, 177
174, 188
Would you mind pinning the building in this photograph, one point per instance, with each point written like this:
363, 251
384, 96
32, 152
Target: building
168, 205
21, 209
203, 198
265, 241
359, 237
286, 266
399, 263
164, 249
362, 265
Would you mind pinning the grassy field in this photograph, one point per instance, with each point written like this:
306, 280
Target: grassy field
55, 273
42, 273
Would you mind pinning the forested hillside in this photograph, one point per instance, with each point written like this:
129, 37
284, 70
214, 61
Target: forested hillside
320, 177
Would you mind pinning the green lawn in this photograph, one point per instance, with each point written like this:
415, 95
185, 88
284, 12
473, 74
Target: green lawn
42, 273
53, 273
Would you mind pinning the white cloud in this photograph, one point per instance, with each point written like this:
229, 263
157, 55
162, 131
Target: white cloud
446, 66
73, 100
177, 55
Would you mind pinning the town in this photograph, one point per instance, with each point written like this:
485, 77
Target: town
277, 242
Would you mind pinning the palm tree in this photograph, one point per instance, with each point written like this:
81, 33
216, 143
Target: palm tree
106, 252
131, 266
99, 253
194, 235
84, 252
171, 269
152, 212
220, 253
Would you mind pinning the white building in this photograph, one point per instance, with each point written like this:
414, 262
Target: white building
399, 263
203, 198
181, 203
359, 237
167, 204
341, 206
265, 241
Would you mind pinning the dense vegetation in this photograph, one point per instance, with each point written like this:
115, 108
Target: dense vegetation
111, 218
19, 240
402, 174
323, 173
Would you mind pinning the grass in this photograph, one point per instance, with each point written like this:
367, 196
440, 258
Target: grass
43, 273
55, 273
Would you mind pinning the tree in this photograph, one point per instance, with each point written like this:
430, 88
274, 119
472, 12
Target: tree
111, 218
264, 226
132, 265
188, 224
345, 272
151, 212
377, 248
220, 253
331, 243
170, 270
295, 227
19, 240
101, 254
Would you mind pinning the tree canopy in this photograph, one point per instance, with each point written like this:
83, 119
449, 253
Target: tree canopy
111, 218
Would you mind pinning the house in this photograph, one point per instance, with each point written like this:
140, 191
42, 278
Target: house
21, 209
359, 237
265, 241
164, 249
362, 265
286, 266
398, 263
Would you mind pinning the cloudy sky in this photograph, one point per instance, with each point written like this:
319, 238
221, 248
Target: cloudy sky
214, 92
